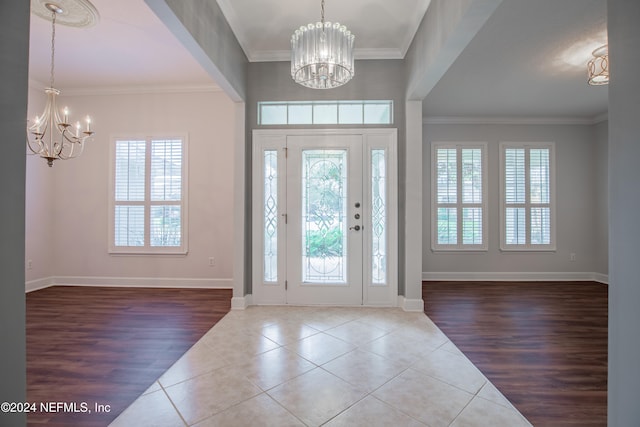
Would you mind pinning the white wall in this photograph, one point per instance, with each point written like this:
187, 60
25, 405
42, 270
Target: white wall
79, 205
576, 186
39, 207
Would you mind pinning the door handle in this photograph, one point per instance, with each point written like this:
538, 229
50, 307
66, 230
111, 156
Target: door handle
355, 227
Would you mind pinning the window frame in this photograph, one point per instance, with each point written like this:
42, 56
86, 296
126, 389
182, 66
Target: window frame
315, 121
528, 205
459, 205
147, 249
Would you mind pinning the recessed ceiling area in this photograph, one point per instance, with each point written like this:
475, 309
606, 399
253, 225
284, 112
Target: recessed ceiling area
529, 59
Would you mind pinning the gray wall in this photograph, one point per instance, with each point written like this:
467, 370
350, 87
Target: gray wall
601, 171
624, 204
576, 196
14, 51
374, 80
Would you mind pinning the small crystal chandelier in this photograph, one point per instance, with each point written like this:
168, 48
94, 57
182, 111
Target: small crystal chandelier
322, 54
50, 136
598, 67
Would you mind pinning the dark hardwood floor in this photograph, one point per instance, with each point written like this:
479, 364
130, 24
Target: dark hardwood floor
108, 345
544, 345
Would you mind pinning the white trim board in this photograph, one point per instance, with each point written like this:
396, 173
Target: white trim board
129, 282
501, 276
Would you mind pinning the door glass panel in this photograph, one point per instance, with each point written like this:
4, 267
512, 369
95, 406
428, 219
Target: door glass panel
270, 216
379, 217
324, 216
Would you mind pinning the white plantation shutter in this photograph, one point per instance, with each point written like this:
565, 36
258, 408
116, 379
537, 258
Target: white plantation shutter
459, 187
527, 194
148, 200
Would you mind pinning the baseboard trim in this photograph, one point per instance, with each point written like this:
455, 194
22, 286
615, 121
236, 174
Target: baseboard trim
34, 285
516, 276
129, 282
413, 305
241, 303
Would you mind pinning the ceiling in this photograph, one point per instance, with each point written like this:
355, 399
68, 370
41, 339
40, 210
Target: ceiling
529, 60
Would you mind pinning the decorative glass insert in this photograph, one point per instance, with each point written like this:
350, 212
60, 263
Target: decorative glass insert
325, 112
270, 216
324, 216
378, 217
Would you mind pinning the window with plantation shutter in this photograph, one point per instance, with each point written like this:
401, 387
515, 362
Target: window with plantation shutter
459, 196
527, 202
148, 195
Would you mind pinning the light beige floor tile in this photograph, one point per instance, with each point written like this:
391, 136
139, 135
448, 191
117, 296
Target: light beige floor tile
275, 367
220, 381
150, 410
323, 320
357, 333
240, 348
208, 394
364, 369
451, 348
153, 387
285, 333
491, 393
481, 413
261, 410
321, 348
372, 412
424, 398
198, 360
399, 349
453, 369
316, 397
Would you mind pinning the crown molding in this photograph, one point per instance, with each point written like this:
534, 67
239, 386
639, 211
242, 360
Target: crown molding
360, 54
479, 120
124, 90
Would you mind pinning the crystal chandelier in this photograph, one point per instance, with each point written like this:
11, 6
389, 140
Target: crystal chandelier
322, 54
50, 136
598, 67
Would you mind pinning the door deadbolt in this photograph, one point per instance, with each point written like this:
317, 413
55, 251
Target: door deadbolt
357, 216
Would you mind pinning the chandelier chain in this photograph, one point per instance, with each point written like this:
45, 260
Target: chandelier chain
322, 13
53, 47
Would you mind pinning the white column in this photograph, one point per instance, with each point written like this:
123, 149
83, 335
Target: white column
413, 209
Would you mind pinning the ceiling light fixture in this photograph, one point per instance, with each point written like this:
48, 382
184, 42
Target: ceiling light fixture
52, 137
322, 54
598, 67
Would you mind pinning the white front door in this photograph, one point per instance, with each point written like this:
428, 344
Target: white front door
324, 221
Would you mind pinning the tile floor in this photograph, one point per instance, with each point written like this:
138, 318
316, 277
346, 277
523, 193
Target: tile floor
312, 366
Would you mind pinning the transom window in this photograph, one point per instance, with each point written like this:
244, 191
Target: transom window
148, 195
459, 180
527, 196
325, 113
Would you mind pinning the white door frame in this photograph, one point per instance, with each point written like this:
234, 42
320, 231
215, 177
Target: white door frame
274, 141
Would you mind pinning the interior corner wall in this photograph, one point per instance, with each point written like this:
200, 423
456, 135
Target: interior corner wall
14, 51
576, 202
374, 80
78, 249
